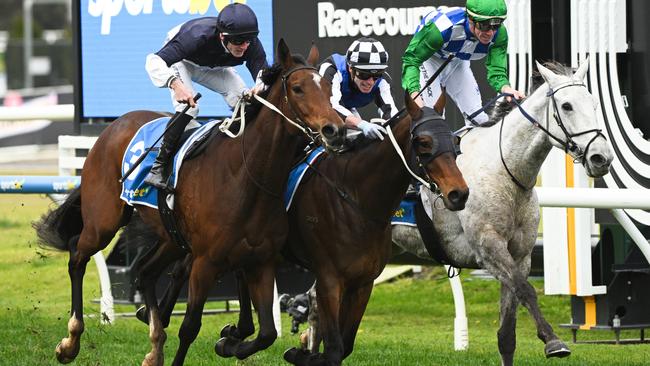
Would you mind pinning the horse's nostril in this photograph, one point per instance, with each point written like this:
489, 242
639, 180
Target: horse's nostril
328, 131
598, 160
458, 196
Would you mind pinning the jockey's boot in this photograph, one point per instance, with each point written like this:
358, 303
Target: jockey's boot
160, 170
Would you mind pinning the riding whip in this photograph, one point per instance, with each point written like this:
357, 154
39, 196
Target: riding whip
146, 152
431, 79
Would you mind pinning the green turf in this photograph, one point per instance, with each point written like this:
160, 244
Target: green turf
408, 322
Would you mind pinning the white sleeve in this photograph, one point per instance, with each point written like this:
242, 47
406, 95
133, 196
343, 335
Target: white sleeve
159, 73
387, 97
259, 84
335, 99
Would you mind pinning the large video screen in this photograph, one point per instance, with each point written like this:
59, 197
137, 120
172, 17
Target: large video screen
115, 38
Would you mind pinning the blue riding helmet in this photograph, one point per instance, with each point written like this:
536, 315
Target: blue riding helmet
237, 20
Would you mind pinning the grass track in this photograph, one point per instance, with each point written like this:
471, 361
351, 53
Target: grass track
408, 322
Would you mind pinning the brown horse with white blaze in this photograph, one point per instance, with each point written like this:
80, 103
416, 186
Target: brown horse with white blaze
227, 204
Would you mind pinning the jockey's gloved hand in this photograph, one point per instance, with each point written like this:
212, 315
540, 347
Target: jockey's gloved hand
371, 130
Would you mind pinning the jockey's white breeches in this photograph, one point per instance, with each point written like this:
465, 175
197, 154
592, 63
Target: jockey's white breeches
458, 80
223, 80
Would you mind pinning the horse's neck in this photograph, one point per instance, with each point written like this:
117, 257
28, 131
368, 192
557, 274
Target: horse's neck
270, 146
377, 175
524, 146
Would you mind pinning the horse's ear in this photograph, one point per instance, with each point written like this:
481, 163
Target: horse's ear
549, 76
284, 55
312, 59
582, 70
414, 110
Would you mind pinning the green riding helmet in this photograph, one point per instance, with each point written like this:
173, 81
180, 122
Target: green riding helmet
482, 10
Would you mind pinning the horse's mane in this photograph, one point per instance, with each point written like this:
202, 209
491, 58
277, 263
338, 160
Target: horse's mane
269, 76
502, 108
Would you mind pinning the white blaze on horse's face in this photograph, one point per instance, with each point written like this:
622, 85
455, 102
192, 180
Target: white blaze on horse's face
317, 79
578, 113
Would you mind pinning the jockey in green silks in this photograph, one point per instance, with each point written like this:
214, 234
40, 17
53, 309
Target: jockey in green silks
470, 33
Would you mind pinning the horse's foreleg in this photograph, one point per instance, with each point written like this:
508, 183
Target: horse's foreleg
329, 293
202, 277
245, 326
260, 288
496, 259
353, 308
507, 336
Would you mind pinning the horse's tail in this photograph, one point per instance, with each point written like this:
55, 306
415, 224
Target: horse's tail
59, 225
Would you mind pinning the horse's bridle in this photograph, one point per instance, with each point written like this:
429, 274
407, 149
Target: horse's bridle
308, 131
569, 144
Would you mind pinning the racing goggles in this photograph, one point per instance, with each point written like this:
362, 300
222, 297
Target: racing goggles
240, 40
367, 75
488, 25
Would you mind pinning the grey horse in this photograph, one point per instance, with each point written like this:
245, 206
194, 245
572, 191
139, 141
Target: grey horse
497, 229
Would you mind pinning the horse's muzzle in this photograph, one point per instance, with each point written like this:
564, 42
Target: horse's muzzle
456, 199
333, 136
597, 165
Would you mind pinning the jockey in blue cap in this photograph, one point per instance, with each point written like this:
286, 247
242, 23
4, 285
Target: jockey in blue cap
203, 50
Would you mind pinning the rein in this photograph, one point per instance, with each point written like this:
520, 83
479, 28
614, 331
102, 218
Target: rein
426, 183
569, 143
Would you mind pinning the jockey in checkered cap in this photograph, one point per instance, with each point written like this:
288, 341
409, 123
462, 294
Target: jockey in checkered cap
359, 78
470, 33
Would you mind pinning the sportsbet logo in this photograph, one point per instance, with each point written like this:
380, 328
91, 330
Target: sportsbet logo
107, 9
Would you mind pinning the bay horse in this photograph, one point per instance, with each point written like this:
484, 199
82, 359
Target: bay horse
498, 228
339, 225
227, 203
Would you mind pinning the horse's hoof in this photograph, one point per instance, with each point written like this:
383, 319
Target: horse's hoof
556, 348
229, 330
225, 347
142, 314
296, 356
62, 356
152, 360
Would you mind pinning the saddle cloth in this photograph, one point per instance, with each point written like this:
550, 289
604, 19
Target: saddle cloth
405, 214
297, 174
134, 190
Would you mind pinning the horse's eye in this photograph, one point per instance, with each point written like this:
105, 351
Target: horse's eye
296, 89
567, 107
424, 144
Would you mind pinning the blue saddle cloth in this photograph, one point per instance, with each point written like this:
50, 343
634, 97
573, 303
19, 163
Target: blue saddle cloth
296, 175
134, 190
405, 214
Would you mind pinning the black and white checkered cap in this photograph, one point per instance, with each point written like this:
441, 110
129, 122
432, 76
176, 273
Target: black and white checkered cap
367, 54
